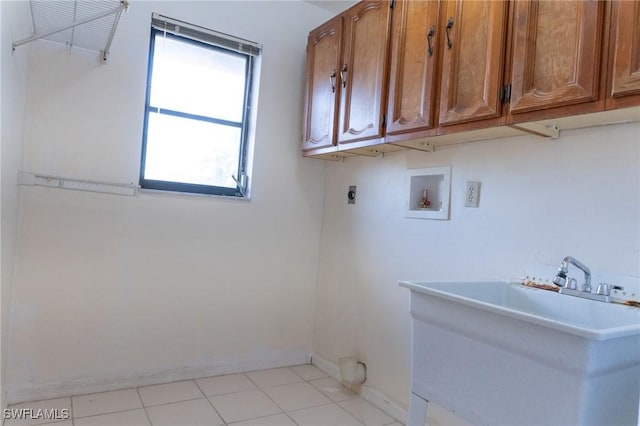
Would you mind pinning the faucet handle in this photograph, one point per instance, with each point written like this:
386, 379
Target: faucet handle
603, 289
571, 284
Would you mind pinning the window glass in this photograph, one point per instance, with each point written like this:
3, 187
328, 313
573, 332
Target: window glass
197, 80
191, 151
195, 128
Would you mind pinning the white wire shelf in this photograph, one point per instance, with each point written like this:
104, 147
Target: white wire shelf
90, 24
36, 179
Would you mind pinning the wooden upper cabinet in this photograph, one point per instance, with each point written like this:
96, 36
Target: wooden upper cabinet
473, 36
414, 58
363, 73
625, 49
447, 66
557, 50
321, 101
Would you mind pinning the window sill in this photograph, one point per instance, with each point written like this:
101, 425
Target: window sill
172, 194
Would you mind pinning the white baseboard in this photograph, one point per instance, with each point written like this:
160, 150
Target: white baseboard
327, 367
59, 389
374, 396
381, 401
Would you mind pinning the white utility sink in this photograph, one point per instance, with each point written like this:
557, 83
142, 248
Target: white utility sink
500, 353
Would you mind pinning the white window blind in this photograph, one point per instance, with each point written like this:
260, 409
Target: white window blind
205, 35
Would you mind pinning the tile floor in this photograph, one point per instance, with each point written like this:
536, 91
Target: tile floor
302, 395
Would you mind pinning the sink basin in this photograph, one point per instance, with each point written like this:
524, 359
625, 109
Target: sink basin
499, 352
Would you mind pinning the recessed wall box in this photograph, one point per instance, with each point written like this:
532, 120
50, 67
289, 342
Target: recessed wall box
428, 192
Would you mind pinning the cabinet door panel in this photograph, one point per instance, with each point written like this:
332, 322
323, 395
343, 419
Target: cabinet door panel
323, 59
556, 53
626, 48
414, 56
363, 71
472, 68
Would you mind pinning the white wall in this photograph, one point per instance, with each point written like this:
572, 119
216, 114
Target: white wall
113, 290
13, 25
540, 201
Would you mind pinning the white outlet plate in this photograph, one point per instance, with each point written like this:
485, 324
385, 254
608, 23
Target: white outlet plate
472, 194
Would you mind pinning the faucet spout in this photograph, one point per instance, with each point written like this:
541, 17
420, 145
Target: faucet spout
561, 277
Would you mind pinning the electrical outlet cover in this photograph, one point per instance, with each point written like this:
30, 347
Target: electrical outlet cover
472, 194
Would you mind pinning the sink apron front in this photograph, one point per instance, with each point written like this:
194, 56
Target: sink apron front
494, 368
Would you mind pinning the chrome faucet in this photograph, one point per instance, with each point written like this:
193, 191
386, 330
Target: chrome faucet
561, 277
568, 285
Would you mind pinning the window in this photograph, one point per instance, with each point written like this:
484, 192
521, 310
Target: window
197, 110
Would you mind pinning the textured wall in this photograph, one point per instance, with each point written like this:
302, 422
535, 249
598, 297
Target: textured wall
114, 290
14, 25
540, 201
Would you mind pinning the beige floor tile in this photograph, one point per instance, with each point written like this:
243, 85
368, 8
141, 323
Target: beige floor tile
220, 385
273, 377
296, 396
309, 372
197, 412
366, 412
54, 407
275, 420
122, 418
169, 392
282, 399
325, 415
105, 402
244, 405
28, 422
333, 389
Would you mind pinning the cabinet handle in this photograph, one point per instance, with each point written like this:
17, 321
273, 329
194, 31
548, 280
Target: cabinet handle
343, 75
332, 81
432, 31
449, 25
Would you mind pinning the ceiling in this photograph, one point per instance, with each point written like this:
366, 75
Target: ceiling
334, 6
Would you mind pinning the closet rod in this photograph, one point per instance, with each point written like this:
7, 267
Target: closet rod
36, 36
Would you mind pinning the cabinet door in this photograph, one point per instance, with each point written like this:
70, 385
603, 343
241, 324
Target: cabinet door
556, 53
473, 33
414, 56
321, 102
625, 35
364, 71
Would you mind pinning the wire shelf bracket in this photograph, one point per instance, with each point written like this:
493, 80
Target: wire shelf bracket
58, 16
